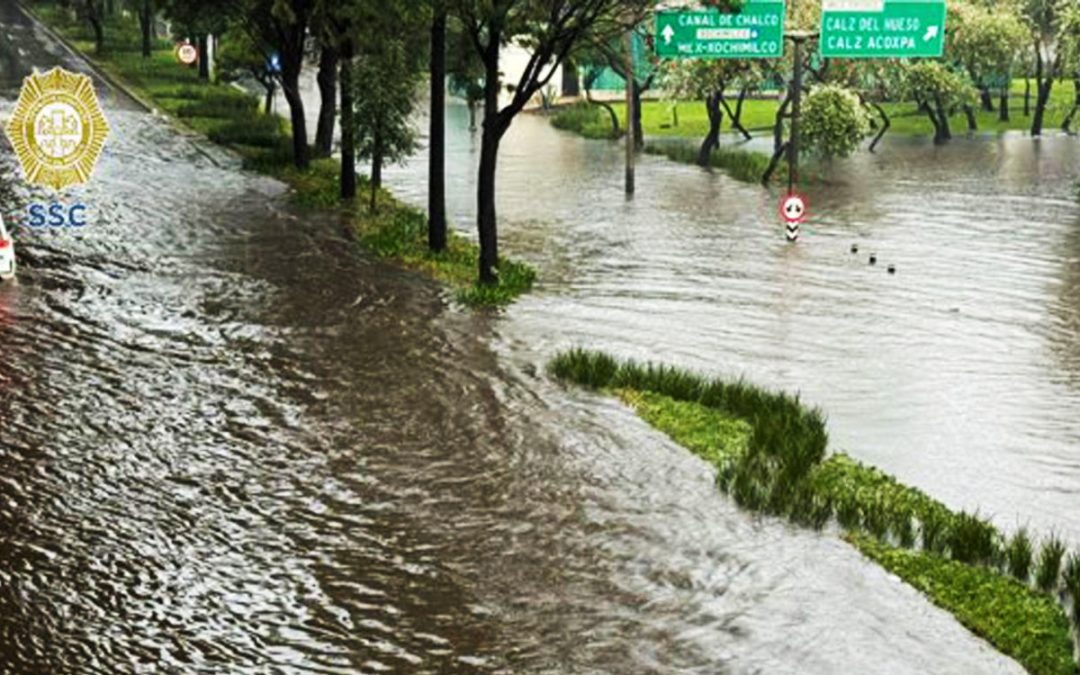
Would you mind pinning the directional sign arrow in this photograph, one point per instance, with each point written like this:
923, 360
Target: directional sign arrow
668, 33
931, 33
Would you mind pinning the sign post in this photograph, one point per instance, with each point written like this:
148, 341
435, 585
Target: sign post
755, 32
875, 29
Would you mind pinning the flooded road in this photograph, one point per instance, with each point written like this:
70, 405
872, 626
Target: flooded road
960, 374
230, 442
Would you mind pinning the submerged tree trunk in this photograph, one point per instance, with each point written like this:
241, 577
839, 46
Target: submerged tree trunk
716, 117
1003, 106
1043, 83
437, 134
972, 123
348, 125
945, 133
885, 124
1027, 96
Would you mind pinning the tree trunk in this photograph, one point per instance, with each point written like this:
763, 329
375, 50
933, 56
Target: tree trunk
1003, 106
712, 139
270, 89
778, 127
1067, 122
472, 114
571, 84
348, 126
885, 124
736, 117
437, 135
376, 172
146, 19
327, 81
972, 123
99, 31
942, 132
204, 57
290, 85
639, 132
486, 220
986, 100
1027, 96
1043, 83
610, 111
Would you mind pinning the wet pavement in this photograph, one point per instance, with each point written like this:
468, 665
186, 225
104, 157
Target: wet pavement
229, 441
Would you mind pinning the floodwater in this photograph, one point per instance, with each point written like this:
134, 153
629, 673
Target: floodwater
229, 442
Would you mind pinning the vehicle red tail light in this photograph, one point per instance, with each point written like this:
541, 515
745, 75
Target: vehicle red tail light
4, 243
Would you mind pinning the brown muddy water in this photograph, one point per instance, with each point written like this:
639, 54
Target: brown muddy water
229, 442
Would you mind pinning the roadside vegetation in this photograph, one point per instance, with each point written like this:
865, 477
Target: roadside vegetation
770, 452
231, 117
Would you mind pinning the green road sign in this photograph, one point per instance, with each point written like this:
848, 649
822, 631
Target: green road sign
756, 32
870, 29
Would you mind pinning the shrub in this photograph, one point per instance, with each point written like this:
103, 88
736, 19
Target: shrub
971, 539
1019, 554
1049, 566
833, 121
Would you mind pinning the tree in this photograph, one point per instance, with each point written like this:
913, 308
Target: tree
986, 43
607, 51
1042, 15
384, 81
708, 80
833, 121
94, 14
1069, 37
549, 29
437, 131
327, 80
466, 71
146, 25
939, 90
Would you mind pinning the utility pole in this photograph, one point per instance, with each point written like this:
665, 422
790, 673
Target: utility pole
630, 112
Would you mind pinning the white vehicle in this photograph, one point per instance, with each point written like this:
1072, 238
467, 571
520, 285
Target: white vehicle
7, 253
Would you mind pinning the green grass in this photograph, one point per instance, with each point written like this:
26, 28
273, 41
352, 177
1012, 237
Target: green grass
1024, 624
1048, 567
1019, 555
585, 119
759, 115
230, 117
769, 452
744, 165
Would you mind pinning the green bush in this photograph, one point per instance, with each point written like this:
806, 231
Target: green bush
1048, 568
971, 539
743, 165
1019, 554
833, 121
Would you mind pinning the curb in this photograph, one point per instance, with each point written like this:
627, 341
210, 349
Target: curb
96, 68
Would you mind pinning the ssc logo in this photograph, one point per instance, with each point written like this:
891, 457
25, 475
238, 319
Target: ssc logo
57, 128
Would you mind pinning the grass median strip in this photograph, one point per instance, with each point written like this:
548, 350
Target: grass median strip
231, 117
770, 454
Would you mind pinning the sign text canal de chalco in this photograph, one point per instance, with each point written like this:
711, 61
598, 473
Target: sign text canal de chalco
755, 32
871, 29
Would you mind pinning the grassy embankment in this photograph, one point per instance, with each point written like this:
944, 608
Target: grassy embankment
770, 455
231, 118
688, 121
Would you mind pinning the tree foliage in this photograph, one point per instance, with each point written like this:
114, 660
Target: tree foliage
833, 121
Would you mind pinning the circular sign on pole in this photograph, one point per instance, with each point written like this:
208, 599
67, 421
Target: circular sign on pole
186, 53
793, 211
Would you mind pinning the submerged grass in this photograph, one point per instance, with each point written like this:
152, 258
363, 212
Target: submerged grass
744, 165
585, 119
1048, 568
230, 117
769, 451
1022, 623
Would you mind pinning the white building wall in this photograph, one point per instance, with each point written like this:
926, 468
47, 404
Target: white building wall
512, 62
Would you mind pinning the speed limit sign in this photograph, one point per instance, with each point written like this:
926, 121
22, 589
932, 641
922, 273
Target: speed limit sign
186, 53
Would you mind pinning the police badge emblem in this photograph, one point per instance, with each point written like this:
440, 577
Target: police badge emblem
57, 128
